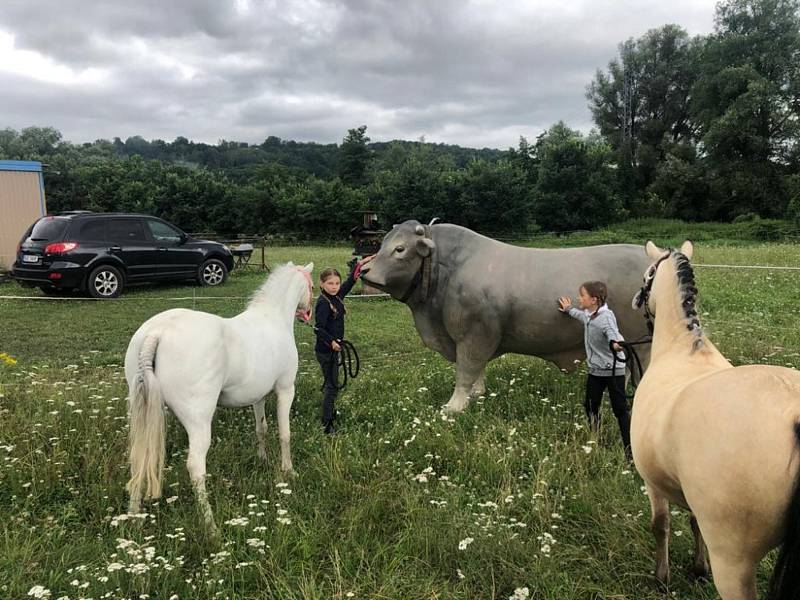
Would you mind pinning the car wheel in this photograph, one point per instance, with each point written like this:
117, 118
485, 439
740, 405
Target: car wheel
212, 272
105, 282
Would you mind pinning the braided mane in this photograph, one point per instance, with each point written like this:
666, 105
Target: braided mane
688, 291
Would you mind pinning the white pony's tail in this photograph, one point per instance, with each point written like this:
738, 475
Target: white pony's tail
146, 435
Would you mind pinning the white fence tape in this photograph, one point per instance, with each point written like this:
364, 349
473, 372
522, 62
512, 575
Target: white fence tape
173, 299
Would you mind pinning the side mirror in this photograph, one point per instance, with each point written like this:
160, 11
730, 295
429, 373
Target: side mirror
183, 239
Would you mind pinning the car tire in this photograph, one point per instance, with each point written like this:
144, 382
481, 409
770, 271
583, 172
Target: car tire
212, 272
105, 282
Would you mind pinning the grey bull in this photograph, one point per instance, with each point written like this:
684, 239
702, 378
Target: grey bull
474, 298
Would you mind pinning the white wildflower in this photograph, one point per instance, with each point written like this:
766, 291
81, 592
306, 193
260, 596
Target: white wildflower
462, 545
520, 594
39, 591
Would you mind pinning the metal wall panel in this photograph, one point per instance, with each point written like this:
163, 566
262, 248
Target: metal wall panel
21, 203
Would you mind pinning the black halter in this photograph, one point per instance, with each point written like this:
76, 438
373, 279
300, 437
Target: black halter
423, 276
643, 297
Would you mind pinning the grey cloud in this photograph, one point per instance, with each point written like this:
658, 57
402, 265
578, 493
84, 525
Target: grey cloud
480, 72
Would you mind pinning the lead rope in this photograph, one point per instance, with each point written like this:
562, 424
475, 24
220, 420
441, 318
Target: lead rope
631, 361
347, 360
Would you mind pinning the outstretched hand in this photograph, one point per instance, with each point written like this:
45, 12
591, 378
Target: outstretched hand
360, 264
564, 303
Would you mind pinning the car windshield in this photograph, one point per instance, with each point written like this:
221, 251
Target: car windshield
48, 229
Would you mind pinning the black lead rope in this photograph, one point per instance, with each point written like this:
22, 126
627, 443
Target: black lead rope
631, 360
346, 361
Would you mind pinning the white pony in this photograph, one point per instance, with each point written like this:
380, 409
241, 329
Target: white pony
192, 361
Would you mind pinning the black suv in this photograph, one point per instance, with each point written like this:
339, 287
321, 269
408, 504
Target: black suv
101, 253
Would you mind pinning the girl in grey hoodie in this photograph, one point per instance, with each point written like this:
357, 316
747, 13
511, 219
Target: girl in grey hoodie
600, 330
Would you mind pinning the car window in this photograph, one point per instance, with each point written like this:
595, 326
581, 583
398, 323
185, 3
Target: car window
163, 232
126, 230
93, 229
48, 229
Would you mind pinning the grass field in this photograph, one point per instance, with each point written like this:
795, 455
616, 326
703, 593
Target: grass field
402, 503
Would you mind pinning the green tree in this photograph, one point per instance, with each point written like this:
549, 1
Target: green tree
354, 157
575, 186
641, 104
747, 105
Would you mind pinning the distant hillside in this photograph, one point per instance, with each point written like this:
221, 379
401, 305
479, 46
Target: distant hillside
311, 157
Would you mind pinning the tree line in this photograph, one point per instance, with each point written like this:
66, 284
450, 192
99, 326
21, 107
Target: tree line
696, 128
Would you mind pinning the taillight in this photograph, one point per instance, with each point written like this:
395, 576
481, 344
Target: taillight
60, 247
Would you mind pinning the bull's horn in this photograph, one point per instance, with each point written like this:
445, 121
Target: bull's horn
419, 230
433, 220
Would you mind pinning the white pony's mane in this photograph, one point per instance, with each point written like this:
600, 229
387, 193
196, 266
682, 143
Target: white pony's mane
277, 286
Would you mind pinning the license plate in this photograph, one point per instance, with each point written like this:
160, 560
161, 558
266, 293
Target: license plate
31, 258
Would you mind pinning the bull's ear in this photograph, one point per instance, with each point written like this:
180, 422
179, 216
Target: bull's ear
425, 246
419, 230
687, 249
653, 251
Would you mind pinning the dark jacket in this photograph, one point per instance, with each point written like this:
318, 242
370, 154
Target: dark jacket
329, 316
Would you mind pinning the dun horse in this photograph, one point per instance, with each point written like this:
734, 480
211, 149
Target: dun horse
192, 361
720, 441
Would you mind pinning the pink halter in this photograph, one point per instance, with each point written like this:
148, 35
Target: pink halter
305, 315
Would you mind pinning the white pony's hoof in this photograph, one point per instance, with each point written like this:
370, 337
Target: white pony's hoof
449, 409
291, 473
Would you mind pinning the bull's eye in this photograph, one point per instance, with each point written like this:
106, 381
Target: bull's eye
399, 250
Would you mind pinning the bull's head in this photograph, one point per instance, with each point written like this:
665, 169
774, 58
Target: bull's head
399, 259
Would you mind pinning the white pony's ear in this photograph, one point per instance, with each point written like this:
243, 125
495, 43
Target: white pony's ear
653, 251
290, 264
309, 267
687, 248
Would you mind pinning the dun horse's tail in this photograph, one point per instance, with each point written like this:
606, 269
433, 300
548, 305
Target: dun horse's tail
146, 428
785, 582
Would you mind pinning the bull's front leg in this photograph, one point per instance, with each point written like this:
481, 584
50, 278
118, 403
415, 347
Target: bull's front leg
471, 359
479, 387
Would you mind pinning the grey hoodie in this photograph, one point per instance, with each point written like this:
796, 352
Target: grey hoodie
598, 332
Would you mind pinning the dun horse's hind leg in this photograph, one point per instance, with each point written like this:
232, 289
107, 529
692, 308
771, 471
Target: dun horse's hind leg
700, 567
659, 523
735, 578
285, 398
261, 428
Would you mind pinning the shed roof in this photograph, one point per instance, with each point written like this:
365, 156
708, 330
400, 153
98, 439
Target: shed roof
21, 165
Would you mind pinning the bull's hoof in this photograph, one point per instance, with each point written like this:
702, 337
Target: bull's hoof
453, 409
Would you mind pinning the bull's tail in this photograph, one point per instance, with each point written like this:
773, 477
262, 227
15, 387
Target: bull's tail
146, 434
785, 581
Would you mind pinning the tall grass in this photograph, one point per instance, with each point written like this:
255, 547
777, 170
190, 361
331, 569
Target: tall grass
384, 509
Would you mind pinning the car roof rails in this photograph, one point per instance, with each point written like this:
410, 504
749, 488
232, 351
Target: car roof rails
76, 212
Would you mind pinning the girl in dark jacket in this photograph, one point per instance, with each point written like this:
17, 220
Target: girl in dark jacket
329, 315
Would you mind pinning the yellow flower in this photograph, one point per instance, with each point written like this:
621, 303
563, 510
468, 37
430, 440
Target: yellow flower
7, 359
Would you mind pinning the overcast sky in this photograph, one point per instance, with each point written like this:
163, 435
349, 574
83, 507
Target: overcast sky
477, 73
